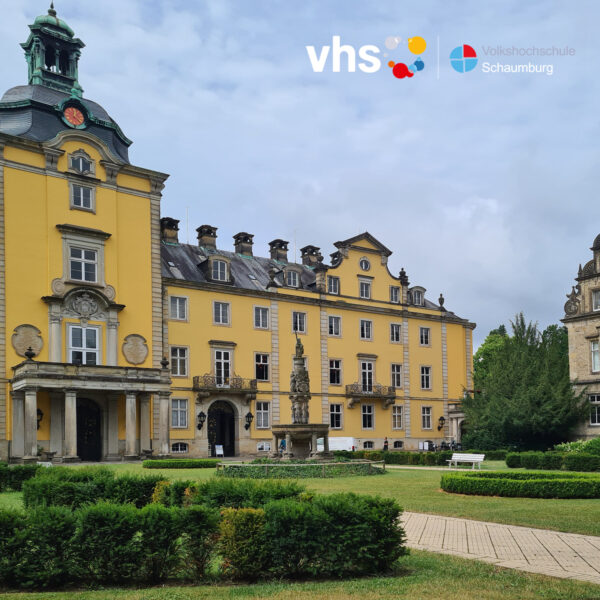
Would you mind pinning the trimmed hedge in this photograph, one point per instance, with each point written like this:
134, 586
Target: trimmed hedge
12, 478
182, 463
523, 484
554, 461
302, 470
575, 461
398, 457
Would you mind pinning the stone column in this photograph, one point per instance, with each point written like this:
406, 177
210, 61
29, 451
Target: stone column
288, 445
56, 423
30, 425
145, 422
18, 425
55, 338
326, 443
163, 424
112, 328
70, 446
313, 443
130, 426
113, 427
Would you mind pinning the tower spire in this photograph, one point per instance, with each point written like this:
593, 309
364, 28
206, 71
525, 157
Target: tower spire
51, 10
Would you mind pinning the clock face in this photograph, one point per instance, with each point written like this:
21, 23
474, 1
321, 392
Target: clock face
74, 116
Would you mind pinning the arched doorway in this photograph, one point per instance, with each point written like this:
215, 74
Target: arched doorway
221, 428
89, 438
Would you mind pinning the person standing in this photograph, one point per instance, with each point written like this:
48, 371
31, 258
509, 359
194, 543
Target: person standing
385, 444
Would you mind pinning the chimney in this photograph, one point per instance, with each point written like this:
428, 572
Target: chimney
243, 243
311, 256
279, 250
207, 236
168, 230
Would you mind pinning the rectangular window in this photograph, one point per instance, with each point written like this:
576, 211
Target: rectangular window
365, 289
396, 417
261, 317
262, 367
335, 416
263, 447
596, 300
178, 308
82, 197
425, 378
221, 313
394, 294
262, 415
417, 297
426, 417
179, 413
396, 375
366, 375
335, 326
291, 279
299, 322
333, 285
219, 270
222, 367
595, 356
395, 333
84, 345
594, 409
367, 416
83, 264
179, 358
424, 336
335, 371
366, 329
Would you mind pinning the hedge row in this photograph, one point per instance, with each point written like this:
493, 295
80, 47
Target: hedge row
182, 463
12, 478
523, 485
568, 461
284, 470
398, 457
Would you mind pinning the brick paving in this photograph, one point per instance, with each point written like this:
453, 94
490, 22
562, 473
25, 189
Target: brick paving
564, 555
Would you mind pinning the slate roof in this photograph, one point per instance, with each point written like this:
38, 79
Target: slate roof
29, 111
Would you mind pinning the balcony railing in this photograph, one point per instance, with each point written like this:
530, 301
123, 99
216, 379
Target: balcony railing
209, 384
358, 391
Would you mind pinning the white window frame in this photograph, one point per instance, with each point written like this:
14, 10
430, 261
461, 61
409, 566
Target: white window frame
183, 448
292, 279
417, 297
179, 413
398, 328
83, 261
364, 288
223, 379
263, 415
73, 238
220, 268
267, 363
97, 352
335, 368
333, 285
367, 410
426, 377
82, 155
394, 294
424, 336
396, 378
179, 302
259, 322
332, 320
301, 320
426, 418
594, 410
595, 300
366, 375
182, 359
336, 413
221, 313
595, 356
263, 446
366, 327
368, 445
77, 195
397, 417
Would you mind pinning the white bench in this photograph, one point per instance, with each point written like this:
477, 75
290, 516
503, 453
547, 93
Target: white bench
474, 459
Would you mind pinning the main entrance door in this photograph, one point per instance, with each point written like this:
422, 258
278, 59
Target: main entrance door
89, 439
221, 428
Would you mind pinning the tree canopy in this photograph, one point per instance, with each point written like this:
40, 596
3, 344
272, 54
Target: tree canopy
523, 396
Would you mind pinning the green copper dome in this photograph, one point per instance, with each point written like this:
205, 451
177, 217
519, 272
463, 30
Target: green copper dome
53, 21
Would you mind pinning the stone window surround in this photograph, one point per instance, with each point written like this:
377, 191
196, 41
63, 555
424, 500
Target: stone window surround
360, 327
422, 290
399, 409
337, 279
187, 360
305, 330
430, 377
268, 412
595, 341
594, 404
287, 272
368, 281
81, 153
180, 444
85, 184
341, 413
362, 414
227, 261
392, 376
372, 362
430, 415
217, 323
594, 292
268, 364
329, 358
428, 334
395, 290
99, 336
187, 308
336, 335
187, 413
268, 327
222, 348
399, 340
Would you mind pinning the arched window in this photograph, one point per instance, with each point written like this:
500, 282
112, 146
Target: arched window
179, 448
398, 445
368, 445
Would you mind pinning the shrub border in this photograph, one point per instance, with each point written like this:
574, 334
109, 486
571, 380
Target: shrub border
285, 470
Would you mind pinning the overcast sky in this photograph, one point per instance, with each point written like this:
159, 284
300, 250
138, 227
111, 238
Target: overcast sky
484, 185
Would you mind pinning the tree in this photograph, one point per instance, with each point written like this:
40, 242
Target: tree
524, 397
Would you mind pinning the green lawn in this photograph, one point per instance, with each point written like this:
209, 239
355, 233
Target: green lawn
421, 575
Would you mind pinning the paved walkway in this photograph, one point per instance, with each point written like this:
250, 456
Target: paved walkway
565, 555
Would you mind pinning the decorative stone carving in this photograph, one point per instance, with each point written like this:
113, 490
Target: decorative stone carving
84, 305
110, 293
58, 287
135, 349
299, 387
572, 304
25, 337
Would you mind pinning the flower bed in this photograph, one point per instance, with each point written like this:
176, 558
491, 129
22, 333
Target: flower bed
300, 470
523, 484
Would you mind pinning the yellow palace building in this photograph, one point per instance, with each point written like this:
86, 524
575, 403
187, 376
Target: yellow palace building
116, 340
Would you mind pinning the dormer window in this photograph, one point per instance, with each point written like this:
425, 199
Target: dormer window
417, 296
81, 162
291, 279
219, 270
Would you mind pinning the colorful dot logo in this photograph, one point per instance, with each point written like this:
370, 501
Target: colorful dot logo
463, 58
416, 45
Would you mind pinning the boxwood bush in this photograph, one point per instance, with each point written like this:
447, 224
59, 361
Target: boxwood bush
565, 460
578, 461
513, 460
523, 484
182, 463
12, 478
300, 470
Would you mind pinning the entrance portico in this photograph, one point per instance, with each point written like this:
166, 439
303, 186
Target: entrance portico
98, 385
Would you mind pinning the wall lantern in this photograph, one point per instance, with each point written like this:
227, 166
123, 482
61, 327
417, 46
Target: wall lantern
40, 416
249, 419
201, 419
441, 422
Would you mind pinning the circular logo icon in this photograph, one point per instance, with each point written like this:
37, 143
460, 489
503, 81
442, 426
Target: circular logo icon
463, 58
